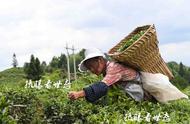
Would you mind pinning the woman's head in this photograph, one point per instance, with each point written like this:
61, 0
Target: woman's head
96, 65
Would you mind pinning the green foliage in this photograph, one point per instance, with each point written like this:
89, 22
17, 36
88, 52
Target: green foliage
174, 67
78, 59
54, 75
4, 115
181, 74
54, 62
180, 82
34, 106
44, 66
130, 41
60, 62
22, 105
187, 76
33, 69
39, 70
12, 77
181, 69
53, 106
81, 53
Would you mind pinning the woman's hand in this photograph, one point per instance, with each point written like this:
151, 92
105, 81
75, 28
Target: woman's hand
73, 95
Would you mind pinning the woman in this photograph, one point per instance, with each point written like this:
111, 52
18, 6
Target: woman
114, 73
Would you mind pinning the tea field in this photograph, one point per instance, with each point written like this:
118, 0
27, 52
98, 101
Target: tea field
22, 105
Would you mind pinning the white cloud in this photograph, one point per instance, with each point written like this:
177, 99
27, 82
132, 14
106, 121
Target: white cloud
179, 52
43, 27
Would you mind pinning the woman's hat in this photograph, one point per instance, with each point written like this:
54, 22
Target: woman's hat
89, 53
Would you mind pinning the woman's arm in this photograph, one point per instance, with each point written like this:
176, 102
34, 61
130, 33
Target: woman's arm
91, 93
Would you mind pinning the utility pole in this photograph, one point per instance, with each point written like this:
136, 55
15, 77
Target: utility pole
68, 65
74, 62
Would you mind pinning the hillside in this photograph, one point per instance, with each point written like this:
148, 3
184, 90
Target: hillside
31, 105
12, 76
17, 75
181, 74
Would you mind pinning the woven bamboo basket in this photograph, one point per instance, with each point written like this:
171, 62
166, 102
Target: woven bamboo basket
143, 54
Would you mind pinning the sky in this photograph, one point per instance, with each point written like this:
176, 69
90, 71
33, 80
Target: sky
43, 27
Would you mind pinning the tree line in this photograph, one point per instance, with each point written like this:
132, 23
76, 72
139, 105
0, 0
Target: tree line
35, 69
181, 74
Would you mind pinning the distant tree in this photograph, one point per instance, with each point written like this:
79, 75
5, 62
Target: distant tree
26, 69
54, 62
81, 53
44, 63
62, 61
180, 82
33, 69
49, 69
15, 62
187, 76
44, 66
181, 69
58, 62
39, 70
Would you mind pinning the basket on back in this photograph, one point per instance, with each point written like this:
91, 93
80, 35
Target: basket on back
143, 54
